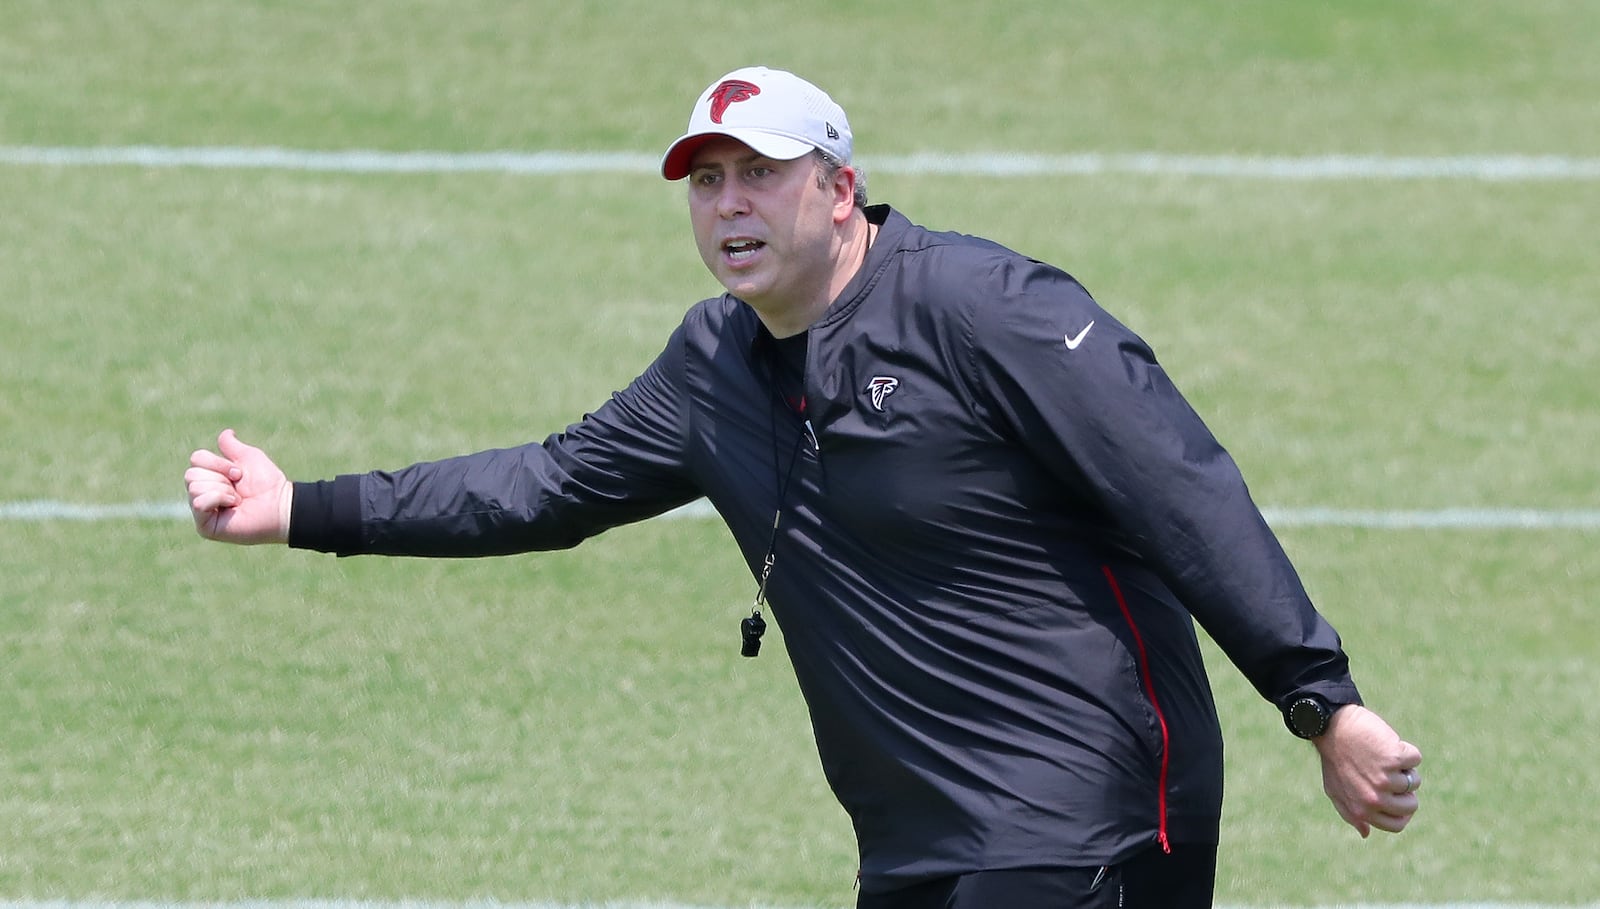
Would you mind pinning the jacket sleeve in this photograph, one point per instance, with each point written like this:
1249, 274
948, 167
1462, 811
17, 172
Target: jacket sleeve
625, 462
1086, 396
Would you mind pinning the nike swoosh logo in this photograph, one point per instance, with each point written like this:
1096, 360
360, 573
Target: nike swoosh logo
1073, 342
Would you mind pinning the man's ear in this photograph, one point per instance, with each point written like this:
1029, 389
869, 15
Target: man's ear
844, 193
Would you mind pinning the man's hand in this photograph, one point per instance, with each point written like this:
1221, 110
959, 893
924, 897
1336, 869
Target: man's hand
238, 496
1368, 772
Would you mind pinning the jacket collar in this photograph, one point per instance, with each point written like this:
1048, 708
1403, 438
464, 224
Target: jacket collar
892, 228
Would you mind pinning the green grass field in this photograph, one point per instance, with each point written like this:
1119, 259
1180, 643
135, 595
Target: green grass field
185, 721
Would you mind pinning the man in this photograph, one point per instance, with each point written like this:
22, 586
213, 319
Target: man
984, 515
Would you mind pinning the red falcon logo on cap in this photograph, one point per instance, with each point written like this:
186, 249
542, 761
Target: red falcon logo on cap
730, 92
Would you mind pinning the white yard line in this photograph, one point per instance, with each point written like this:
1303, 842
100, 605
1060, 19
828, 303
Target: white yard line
1508, 167
636, 904
1442, 519
49, 510
1438, 519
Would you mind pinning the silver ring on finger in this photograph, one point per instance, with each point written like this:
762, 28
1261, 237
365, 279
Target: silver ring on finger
1412, 780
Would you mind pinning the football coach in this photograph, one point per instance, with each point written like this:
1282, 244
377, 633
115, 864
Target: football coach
982, 512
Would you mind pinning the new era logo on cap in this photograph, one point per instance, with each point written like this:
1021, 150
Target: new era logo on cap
774, 112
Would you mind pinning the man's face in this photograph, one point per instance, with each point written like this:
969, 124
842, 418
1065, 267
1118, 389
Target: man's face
765, 228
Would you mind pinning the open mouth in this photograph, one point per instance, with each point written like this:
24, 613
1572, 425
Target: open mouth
741, 250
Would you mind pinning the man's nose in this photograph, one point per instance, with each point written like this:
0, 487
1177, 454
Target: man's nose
731, 200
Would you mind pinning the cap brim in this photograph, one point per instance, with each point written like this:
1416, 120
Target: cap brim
675, 163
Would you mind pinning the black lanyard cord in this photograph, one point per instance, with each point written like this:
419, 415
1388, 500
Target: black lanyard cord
753, 626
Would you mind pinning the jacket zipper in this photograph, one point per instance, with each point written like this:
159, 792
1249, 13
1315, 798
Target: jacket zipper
1155, 704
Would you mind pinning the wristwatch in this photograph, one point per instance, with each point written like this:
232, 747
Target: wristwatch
1307, 716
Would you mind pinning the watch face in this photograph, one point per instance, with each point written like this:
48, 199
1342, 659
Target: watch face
1309, 718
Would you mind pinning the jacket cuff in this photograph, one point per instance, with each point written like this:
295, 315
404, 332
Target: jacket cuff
326, 515
1337, 693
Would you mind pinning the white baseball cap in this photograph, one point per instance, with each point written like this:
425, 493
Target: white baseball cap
774, 112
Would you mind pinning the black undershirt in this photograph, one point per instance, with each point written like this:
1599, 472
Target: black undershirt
789, 369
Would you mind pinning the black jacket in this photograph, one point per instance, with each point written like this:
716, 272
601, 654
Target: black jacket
986, 566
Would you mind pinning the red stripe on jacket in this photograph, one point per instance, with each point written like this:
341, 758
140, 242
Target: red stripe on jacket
1155, 703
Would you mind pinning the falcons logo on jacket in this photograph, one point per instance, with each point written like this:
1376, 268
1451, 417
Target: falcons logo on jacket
881, 387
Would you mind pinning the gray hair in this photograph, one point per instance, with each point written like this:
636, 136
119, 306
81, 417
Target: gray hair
830, 164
